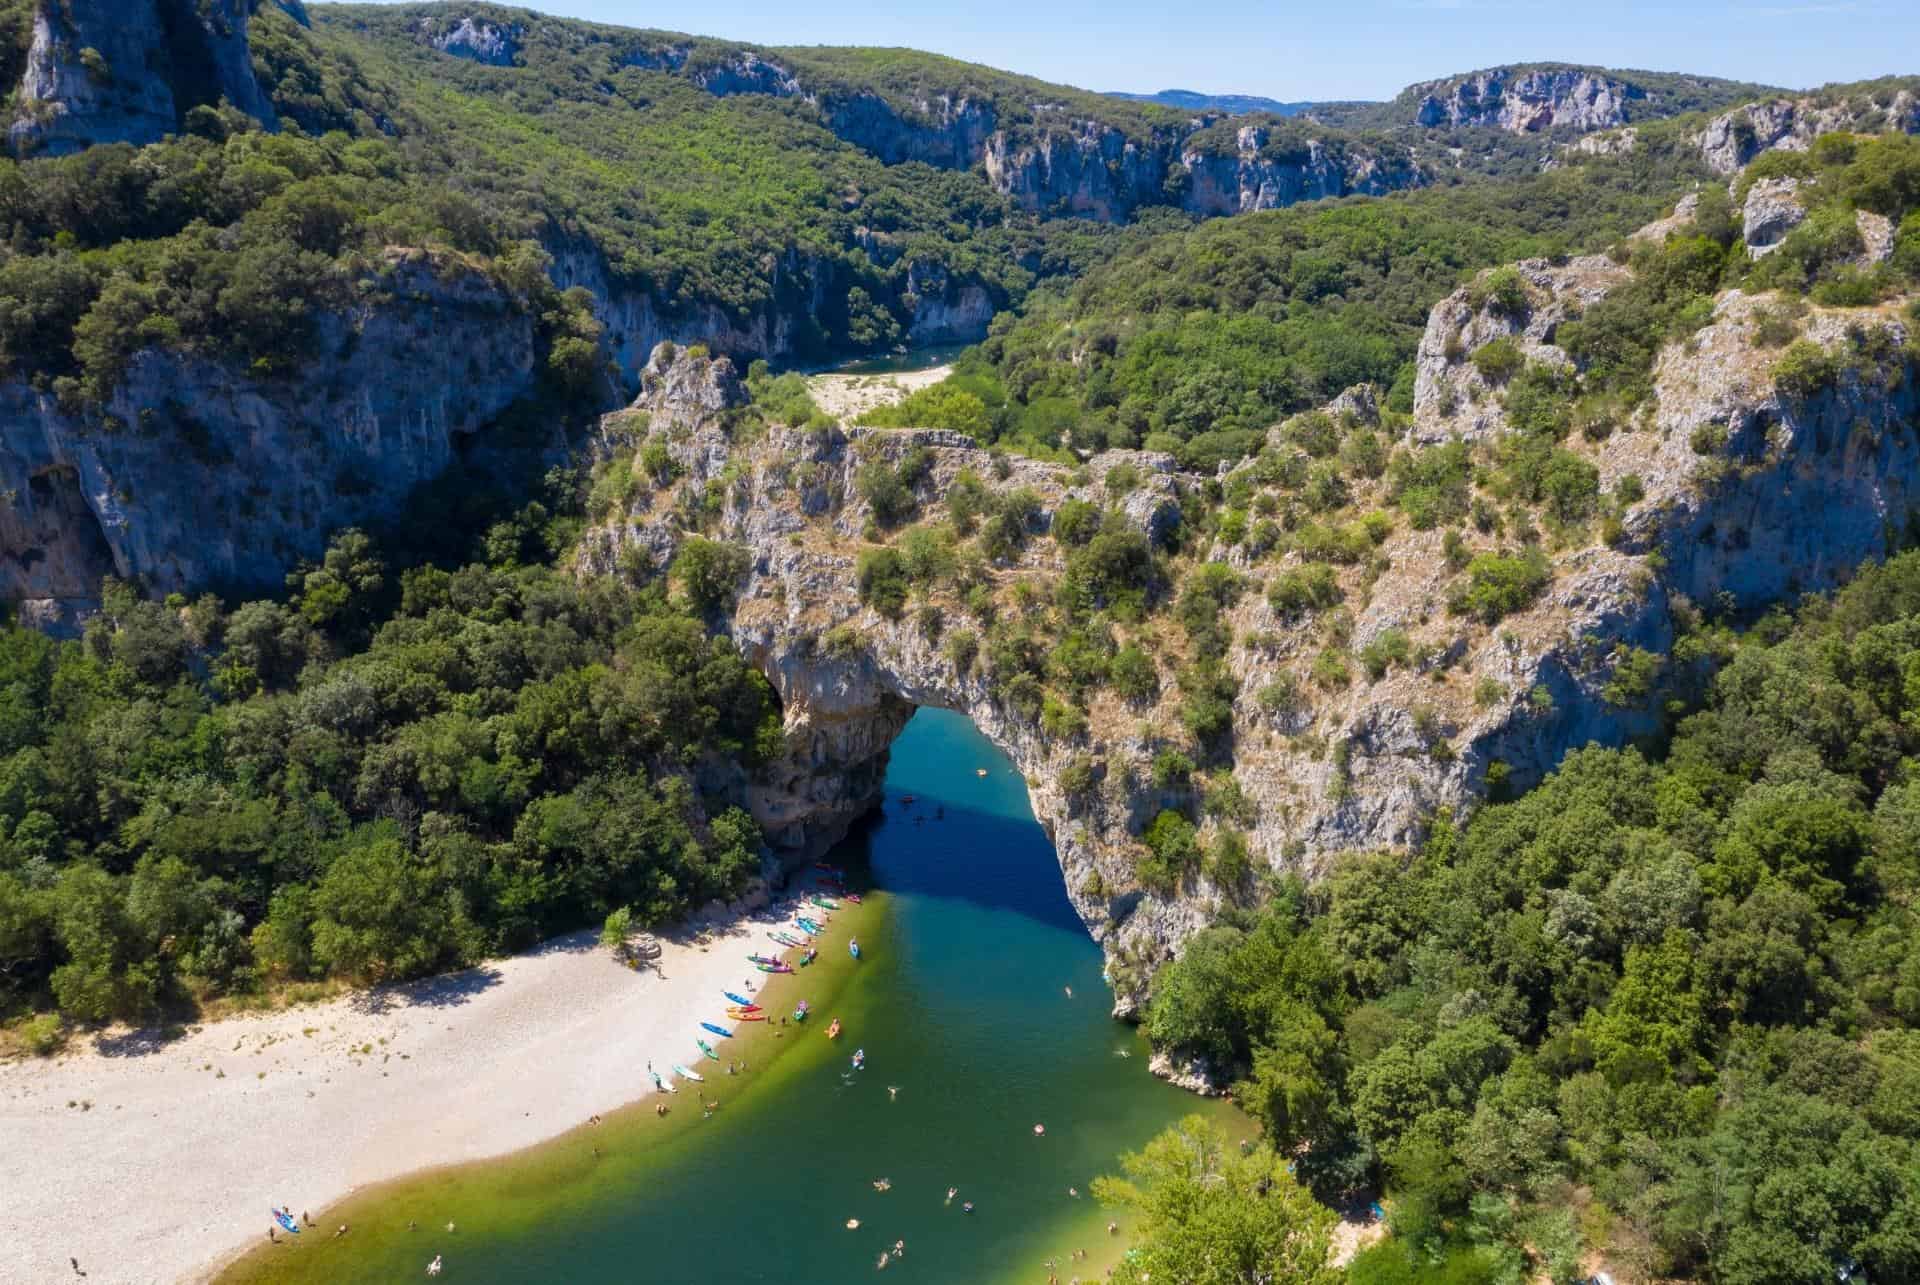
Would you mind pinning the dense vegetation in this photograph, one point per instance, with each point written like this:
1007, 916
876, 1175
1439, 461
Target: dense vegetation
390, 772
228, 241
1198, 340
1666, 1007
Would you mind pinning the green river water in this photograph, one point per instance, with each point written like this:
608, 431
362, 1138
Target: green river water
960, 1004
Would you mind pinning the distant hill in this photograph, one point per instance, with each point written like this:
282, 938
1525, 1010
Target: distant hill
1235, 104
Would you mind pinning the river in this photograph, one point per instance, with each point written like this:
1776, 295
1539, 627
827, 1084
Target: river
961, 1006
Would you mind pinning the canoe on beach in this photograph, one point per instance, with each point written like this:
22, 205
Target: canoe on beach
721, 1031
707, 1049
741, 1000
685, 1074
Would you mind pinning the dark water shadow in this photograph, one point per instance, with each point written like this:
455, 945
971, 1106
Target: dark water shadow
992, 861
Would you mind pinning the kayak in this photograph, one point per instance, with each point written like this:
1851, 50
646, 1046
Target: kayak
685, 1074
859, 1059
763, 959
800, 1013
853, 948
812, 928
743, 1008
743, 1003
788, 939
286, 1221
824, 903
833, 1032
748, 1017
774, 968
721, 1031
707, 1049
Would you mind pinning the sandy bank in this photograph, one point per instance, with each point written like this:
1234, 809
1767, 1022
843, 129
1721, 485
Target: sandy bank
153, 1162
847, 397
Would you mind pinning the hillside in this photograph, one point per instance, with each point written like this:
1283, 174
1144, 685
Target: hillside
1232, 104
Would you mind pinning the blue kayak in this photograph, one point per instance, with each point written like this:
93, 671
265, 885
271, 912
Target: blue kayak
853, 948
743, 1003
286, 1222
721, 1031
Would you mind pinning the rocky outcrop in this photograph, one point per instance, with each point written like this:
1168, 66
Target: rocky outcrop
1252, 177
1525, 100
1096, 171
476, 40
1771, 211
946, 130
129, 72
1734, 138
1055, 162
1451, 397
1747, 494
196, 474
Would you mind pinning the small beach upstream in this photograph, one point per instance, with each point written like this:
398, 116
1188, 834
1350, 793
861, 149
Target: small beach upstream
150, 1161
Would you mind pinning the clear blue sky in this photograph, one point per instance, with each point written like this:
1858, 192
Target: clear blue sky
1291, 50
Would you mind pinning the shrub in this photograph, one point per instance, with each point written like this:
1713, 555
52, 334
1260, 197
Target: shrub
1390, 647
709, 572
1306, 588
881, 575
963, 648
43, 1034
1061, 720
1502, 291
1431, 486
1330, 669
1499, 584
1078, 775
1134, 675
1634, 674
1280, 697
1498, 360
1076, 522
1804, 369
1174, 851
1488, 692
1171, 768
1228, 864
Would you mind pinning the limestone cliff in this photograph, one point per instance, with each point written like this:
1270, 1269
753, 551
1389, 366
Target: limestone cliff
196, 474
1525, 100
1734, 138
99, 72
1746, 495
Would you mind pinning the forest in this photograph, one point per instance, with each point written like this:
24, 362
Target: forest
1668, 1001
397, 768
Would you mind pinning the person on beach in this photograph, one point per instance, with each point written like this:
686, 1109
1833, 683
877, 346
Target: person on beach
306, 1218
76, 1266
271, 1238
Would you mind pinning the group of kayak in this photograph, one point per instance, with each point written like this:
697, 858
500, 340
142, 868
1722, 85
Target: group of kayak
741, 1008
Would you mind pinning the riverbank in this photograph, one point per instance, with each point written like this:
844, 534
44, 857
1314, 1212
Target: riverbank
151, 1161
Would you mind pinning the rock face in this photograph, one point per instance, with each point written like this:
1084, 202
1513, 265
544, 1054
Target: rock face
1734, 138
195, 474
1451, 397
1772, 210
1747, 492
1525, 101
475, 40
99, 72
1056, 162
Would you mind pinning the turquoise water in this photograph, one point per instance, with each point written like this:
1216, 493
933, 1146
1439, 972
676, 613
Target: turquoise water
900, 362
960, 1004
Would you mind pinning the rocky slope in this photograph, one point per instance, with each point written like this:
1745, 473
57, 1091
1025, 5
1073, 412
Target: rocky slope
1526, 100
1746, 495
128, 72
1050, 149
1734, 138
196, 474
